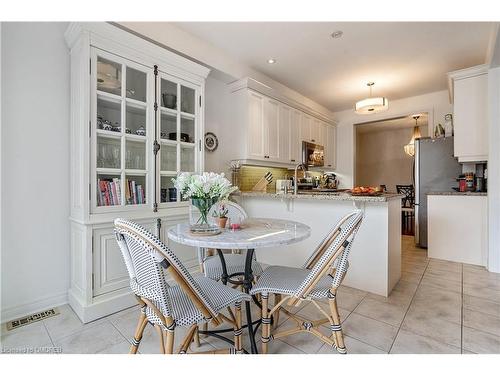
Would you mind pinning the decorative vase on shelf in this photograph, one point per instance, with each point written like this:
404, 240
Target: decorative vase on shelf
199, 215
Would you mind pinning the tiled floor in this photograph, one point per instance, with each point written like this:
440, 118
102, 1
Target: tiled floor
437, 307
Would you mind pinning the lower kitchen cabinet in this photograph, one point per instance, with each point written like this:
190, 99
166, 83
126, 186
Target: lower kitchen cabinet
457, 228
99, 279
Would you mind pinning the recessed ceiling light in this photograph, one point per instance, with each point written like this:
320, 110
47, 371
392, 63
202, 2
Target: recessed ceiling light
271, 61
337, 34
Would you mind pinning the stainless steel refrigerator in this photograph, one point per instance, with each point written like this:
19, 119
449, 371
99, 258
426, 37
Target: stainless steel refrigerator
436, 169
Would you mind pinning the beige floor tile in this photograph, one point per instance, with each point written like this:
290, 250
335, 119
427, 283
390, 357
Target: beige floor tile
481, 292
410, 343
304, 341
445, 265
482, 322
66, 323
406, 287
353, 346
122, 347
348, 300
482, 305
150, 343
411, 277
447, 275
384, 312
482, 282
420, 321
395, 298
413, 267
91, 340
370, 331
438, 282
33, 335
126, 322
480, 342
280, 347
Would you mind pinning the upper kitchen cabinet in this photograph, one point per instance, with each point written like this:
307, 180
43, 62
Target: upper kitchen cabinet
469, 91
330, 147
271, 127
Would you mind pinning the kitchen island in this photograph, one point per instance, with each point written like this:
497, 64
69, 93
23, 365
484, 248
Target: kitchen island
375, 258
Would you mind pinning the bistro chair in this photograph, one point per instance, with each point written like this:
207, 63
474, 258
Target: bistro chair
189, 302
318, 279
407, 208
210, 263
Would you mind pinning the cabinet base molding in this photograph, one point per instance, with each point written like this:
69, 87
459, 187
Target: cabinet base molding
100, 307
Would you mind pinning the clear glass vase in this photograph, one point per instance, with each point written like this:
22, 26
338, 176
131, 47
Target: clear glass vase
199, 219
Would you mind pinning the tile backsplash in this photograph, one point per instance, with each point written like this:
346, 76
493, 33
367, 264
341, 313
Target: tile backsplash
250, 175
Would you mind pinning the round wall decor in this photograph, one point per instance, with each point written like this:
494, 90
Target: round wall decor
211, 141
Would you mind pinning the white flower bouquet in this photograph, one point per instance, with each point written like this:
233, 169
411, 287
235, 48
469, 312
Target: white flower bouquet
204, 190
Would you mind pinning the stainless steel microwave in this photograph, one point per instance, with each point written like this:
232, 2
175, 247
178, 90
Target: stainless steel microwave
313, 155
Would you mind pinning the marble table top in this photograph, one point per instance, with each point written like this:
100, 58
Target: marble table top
254, 233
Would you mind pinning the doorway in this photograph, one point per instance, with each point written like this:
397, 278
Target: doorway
382, 159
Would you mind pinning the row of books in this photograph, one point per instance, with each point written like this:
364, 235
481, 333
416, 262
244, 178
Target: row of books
134, 193
109, 192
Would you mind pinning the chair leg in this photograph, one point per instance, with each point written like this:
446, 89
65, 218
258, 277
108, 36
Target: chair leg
237, 329
138, 333
169, 345
336, 326
162, 340
196, 338
266, 322
276, 315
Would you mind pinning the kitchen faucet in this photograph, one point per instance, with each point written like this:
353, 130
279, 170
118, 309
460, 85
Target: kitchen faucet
295, 183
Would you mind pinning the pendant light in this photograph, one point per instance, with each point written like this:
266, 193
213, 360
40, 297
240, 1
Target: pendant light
371, 105
410, 147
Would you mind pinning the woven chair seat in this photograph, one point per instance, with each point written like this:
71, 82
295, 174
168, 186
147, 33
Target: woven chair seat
286, 280
185, 313
235, 263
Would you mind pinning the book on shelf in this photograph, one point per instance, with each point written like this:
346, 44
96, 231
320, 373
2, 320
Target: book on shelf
135, 193
109, 192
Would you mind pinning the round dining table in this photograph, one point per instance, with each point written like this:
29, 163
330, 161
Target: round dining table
254, 233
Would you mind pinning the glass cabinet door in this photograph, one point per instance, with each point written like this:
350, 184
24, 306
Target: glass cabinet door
177, 133
120, 125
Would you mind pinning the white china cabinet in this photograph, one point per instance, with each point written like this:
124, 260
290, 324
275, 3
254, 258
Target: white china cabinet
272, 127
136, 122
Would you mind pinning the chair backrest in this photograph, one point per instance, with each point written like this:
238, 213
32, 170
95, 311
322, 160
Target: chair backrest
146, 257
333, 251
234, 211
409, 195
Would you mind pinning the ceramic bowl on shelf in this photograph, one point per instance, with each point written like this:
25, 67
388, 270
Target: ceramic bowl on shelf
141, 131
107, 126
169, 100
128, 131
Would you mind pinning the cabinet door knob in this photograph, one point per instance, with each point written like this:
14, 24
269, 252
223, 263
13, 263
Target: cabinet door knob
292, 159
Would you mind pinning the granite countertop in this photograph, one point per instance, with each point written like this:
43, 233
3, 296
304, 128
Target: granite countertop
340, 196
470, 193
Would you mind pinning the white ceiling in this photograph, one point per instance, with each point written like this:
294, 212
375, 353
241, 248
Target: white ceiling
392, 124
403, 58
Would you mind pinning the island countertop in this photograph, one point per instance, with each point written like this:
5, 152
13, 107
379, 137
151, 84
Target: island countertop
340, 196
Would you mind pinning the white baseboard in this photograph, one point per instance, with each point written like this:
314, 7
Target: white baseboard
19, 311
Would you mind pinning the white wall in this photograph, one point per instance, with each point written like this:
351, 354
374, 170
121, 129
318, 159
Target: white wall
35, 167
381, 160
218, 121
436, 103
494, 170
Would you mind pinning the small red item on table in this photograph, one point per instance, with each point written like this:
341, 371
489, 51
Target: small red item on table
235, 226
